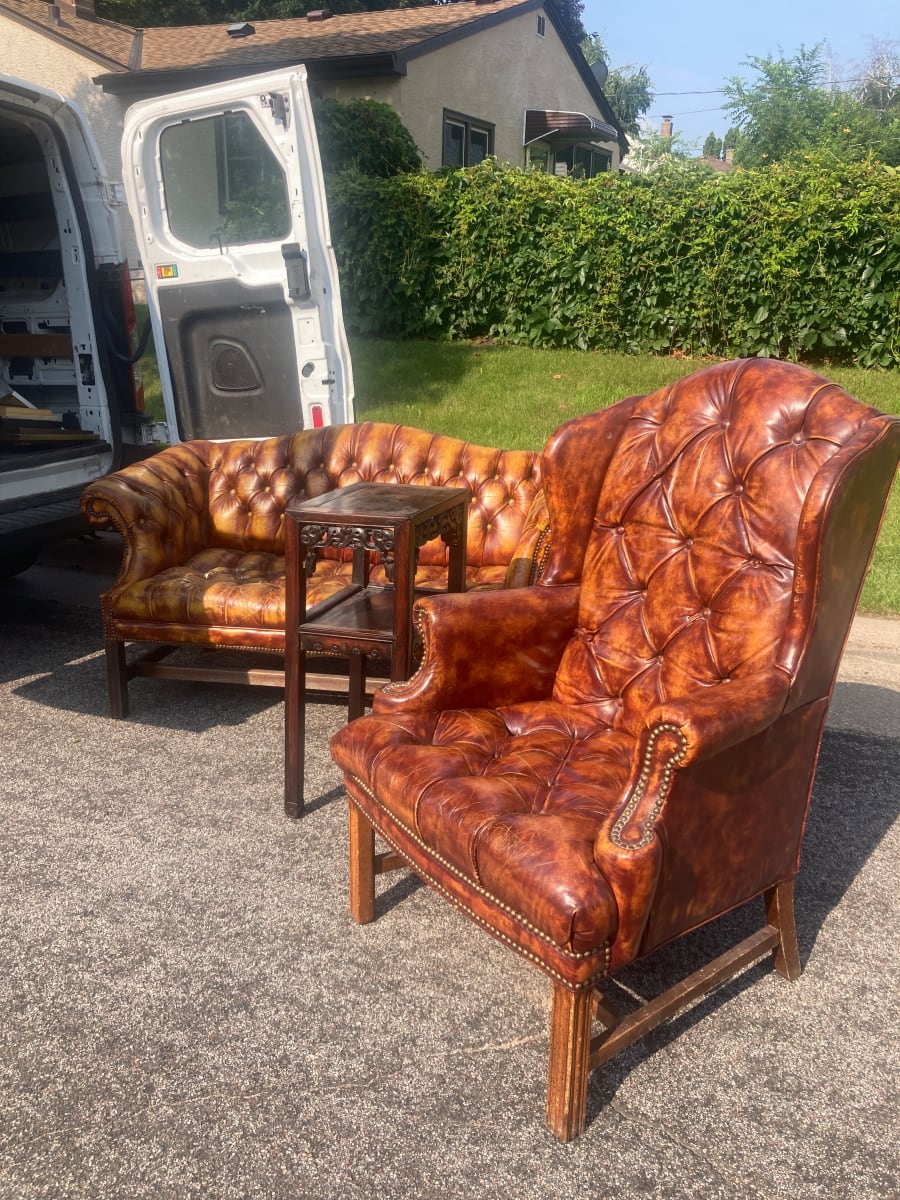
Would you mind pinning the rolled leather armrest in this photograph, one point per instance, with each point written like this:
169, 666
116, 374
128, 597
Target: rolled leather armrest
676, 734
530, 554
687, 730
159, 506
486, 649
712, 719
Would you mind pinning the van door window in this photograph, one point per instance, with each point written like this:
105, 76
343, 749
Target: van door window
223, 184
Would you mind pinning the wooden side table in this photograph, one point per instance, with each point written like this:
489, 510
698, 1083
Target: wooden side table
362, 623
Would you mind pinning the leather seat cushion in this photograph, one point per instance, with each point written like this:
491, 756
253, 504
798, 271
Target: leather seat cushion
214, 587
508, 799
246, 590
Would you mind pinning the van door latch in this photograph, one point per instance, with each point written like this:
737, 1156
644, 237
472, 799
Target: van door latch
297, 271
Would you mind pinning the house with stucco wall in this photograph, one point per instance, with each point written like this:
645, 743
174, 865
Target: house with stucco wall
64, 51
469, 79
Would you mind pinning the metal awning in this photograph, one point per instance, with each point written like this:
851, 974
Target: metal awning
550, 125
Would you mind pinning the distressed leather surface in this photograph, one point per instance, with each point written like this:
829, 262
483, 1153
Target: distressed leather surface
709, 544
203, 525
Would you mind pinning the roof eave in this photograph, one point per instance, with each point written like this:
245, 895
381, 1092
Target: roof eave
56, 35
180, 78
587, 76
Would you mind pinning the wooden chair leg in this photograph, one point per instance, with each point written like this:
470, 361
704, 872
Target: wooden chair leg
116, 678
780, 915
570, 1051
362, 866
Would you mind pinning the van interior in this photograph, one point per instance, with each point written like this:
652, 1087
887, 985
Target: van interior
52, 296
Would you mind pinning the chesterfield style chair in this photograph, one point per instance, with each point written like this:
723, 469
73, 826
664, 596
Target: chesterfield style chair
594, 765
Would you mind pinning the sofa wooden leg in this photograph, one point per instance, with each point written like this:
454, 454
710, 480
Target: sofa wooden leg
116, 678
780, 915
570, 1049
362, 866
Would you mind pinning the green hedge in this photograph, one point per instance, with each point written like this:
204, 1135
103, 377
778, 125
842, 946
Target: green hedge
798, 262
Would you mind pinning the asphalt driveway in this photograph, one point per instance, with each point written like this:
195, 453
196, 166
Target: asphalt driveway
188, 1010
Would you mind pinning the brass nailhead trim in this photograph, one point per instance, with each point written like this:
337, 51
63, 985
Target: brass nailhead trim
539, 962
542, 550
639, 791
476, 887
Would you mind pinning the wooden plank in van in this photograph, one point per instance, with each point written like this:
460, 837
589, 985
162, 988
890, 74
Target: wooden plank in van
35, 345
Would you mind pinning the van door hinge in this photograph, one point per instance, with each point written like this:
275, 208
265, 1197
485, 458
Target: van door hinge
280, 108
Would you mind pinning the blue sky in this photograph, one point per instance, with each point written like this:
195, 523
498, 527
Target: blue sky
693, 46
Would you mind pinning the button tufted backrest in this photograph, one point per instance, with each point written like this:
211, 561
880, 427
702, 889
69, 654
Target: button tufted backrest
251, 482
692, 560
503, 483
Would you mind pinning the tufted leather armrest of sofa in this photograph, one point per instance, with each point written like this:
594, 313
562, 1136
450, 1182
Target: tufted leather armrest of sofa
158, 506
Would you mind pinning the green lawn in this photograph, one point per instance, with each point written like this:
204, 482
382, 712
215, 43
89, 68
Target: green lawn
515, 397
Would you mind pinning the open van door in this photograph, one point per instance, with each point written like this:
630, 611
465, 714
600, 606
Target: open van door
225, 187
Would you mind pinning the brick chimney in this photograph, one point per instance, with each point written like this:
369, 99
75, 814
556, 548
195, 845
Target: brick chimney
665, 129
78, 8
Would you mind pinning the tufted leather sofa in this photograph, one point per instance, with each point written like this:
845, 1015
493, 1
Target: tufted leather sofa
203, 530
600, 763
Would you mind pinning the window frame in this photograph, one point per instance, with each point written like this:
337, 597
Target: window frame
468, 124
228, 188
595, 155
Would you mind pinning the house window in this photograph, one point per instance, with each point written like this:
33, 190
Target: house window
542, 24
466, 141
584, 162
538, 158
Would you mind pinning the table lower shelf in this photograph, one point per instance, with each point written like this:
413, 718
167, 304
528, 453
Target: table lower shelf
363, 621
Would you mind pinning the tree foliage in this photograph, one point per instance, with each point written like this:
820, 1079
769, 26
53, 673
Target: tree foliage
570, 11
145, 13
791, 108
655, 150
878, 86
629, 94
594, 49
364, 135
628, 89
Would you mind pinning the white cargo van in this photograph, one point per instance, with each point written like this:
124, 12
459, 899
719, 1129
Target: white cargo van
225, 187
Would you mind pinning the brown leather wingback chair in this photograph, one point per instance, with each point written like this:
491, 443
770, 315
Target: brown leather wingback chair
595, 765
